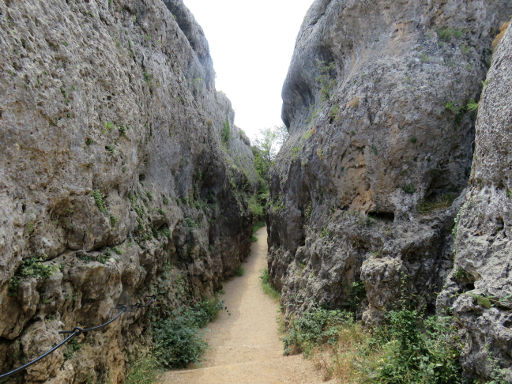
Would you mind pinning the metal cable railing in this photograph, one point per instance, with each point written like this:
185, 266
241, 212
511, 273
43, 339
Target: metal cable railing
77, 331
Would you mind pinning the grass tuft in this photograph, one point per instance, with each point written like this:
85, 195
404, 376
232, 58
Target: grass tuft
440, 202
267, 285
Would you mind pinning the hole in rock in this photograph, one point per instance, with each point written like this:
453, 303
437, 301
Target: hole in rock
382, 216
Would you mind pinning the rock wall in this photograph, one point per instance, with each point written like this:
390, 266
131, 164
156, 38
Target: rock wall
121, 175
479, 289
380, 105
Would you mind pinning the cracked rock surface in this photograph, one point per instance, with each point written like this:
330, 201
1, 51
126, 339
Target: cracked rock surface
115, 179
380, 103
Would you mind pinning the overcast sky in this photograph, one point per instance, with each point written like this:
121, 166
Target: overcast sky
251, 44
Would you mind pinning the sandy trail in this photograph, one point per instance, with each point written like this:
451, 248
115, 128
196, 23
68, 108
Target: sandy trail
245, 347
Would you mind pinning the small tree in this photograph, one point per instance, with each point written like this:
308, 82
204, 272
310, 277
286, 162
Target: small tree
267, 147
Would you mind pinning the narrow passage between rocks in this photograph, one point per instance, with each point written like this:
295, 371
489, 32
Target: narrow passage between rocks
245, 347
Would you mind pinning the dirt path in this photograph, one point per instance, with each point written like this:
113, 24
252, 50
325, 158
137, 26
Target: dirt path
244, 344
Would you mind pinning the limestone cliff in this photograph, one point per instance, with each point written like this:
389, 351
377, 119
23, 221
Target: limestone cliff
121, 175
479, 288
380, 105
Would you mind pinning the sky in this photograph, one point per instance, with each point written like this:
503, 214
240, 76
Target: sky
251, 44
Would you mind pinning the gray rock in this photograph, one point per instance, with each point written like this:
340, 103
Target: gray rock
479, 288
380, 145
117, 178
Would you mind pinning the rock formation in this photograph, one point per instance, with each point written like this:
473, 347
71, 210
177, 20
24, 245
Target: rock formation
479, 288
380, 105
121, 175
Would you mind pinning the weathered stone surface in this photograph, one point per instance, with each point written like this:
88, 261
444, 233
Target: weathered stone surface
479, 289
376, 103
117, 178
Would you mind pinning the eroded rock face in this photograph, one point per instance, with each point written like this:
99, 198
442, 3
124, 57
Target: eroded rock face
117, 177
379, 102
479, 288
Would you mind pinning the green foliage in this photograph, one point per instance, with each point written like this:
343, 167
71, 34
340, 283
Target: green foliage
122, 130
445, 34
30, 267
177, 340
254, 239
407, 349
267, 285
143, 371
308, 210
450, 106
100, 203
206, 311
255, 207
324, 79
14, 283
266, 149
240, 271
71, 347
113, 220
278, 204
326, 233
455, 224
257, 226
356, 295
109, 126
34, 267
334, 112
88, 141
316, 326
482, 300
472, 106
422, 351
409, 188
110, 148
460, 275
148, 78
424, 58
226, 131
189, 222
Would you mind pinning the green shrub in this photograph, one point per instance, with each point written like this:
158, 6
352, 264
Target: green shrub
206, 311
316, 326
143, 371
409, 188
189, 222
424, 351
30, 267
98, 199
226, 131
177, 340
255, 207
240, 271
408, 349
267, 285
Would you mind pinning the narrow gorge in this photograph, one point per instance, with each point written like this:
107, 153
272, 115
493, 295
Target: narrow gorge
124, 180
